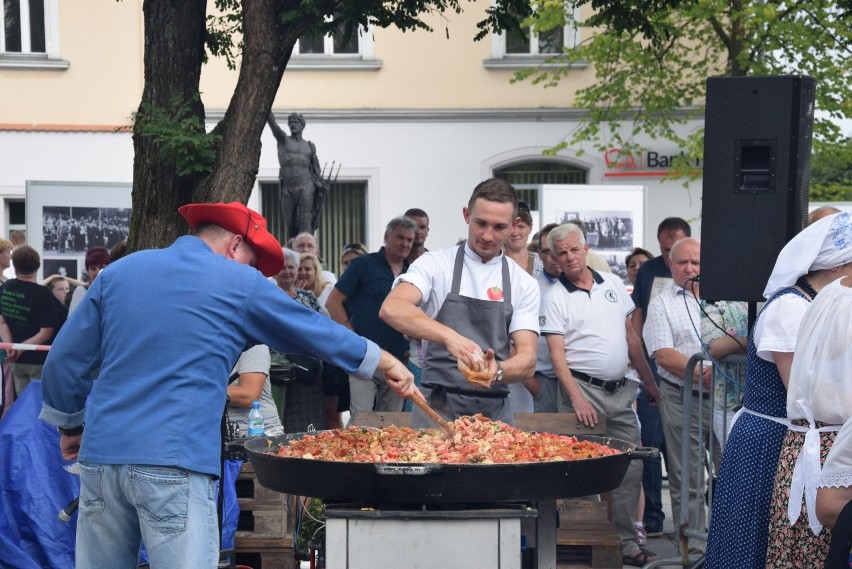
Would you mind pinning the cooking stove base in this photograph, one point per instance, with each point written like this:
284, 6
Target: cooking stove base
482, 536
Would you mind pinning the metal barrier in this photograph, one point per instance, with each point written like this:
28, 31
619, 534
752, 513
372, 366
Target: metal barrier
725, 398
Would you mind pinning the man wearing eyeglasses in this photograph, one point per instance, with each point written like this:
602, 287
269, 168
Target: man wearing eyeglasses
543, 385
472, 306
306, 243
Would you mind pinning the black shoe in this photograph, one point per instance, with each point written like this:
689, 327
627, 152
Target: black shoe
653, 531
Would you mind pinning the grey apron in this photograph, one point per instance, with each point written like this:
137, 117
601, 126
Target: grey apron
485, 322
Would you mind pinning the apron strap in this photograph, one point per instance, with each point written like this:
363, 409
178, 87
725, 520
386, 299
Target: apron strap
507, 283
806, 471
457, 270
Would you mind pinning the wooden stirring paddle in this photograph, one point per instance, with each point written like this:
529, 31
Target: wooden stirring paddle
420, 401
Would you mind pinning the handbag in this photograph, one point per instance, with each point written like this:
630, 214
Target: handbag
305, 369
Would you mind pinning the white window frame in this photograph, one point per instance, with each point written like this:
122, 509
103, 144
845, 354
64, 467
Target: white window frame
363, 60
50, 58
500, 59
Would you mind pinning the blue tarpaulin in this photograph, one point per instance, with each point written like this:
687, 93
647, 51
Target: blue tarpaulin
34, 487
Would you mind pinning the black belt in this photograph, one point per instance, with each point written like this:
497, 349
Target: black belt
608, 386
695, 392
469, 392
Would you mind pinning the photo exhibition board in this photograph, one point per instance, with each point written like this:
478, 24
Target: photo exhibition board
65, 219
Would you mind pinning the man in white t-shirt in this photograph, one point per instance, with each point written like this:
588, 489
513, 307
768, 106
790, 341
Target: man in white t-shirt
470, 304
586, 319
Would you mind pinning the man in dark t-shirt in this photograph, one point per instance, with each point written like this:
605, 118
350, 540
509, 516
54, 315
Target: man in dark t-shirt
29, 314
365, 285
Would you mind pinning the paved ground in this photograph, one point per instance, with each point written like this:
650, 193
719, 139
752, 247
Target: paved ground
666, 545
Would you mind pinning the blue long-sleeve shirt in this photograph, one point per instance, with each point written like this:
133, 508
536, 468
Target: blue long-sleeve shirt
165, 327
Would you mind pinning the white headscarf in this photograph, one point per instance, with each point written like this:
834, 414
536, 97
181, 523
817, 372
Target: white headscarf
825, 244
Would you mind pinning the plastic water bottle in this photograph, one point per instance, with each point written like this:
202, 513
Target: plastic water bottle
255, 421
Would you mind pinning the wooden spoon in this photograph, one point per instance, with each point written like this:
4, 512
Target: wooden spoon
420, 401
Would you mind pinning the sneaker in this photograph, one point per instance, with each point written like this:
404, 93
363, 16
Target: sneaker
641, 535
653, 531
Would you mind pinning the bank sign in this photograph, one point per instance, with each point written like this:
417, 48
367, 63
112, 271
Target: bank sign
646, 164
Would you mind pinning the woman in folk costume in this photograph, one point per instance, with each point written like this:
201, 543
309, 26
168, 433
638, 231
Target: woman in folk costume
739, 525
819, 401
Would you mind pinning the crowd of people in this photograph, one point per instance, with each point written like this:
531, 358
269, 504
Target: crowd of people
540, 316
32, 312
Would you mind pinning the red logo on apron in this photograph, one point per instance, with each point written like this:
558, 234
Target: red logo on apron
495, 293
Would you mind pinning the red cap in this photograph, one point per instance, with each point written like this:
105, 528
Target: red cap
239, 219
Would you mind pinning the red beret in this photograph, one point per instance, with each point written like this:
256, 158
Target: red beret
239, 219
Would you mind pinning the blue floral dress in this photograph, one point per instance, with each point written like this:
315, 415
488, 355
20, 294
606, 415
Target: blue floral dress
739, 523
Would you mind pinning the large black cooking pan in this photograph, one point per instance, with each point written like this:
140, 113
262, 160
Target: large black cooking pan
440, 483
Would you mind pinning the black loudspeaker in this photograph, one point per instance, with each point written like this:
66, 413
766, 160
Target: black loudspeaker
757, 146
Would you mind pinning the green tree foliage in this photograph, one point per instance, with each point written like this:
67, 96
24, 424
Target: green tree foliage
652, 59
831, 173
175, 161
179, 135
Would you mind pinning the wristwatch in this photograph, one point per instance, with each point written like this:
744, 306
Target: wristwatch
73, 432
499, 376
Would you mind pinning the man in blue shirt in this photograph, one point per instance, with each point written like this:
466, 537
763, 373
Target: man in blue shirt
162, 329
366, 284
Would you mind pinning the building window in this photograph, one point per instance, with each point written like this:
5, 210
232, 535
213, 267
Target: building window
16, 216
29, 36
327, 45
547, 43
343, 219
515, 49
526, 177
335, 51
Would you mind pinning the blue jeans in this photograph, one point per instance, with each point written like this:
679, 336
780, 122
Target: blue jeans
652, 470
172, 510
417, 371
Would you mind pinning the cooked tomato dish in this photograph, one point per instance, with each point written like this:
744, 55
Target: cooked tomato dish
475, 440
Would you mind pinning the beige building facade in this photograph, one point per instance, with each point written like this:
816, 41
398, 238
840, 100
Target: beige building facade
409, 120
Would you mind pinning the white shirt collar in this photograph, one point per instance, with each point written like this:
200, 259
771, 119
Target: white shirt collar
475, 256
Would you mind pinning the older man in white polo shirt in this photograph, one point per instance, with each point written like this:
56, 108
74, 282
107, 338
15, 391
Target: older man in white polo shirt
586, 321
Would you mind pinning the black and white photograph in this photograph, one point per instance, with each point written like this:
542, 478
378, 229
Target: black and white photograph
606, 230
74, 230
62, 267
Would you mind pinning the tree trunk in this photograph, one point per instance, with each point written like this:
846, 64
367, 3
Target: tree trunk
174, 51
737, 51
157, 190
267, 46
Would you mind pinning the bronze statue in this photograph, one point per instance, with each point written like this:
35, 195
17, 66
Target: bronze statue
301, 186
